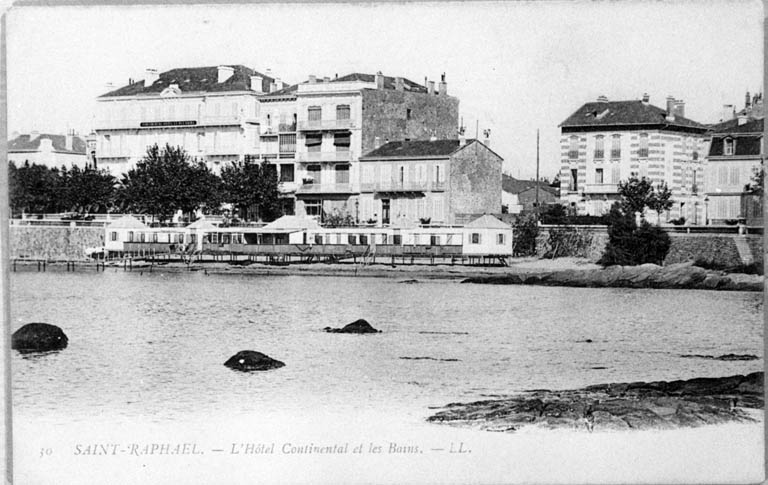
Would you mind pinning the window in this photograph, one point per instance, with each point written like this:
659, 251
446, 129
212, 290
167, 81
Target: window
408, 114
642, 152
313, 207
313, 174
722, 175
314, 142
434, 240
500, 238
573, 183
573, 148
363, 239
314, 113
734, 176
695, 155
615, 173
397, 239
193, 238
318, 239
342, 174
438, 174
154, 237
215, 238
200, 141
342, 112
599, 147
475, 238
342, 141
616, 146
142, 237
113, 236
599, 176
287, 143
351, 239
728, 146
286, 172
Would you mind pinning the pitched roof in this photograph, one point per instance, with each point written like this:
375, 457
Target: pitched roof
290, 90
733, 127
195, 79
389, 81
202, 223
419, 148
488, 222
634, 112
292, 222
516, 186
26, 143
127, 222
748, 139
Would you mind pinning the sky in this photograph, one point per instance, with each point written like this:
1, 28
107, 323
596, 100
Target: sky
515, 66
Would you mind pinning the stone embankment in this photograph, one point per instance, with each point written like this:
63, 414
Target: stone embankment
674, 276
637, 405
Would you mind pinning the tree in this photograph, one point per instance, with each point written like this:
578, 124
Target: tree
629, 244
166, 181
34, 188
525, 230
660, 200
87, 190
758, 178
635, 194
253, 189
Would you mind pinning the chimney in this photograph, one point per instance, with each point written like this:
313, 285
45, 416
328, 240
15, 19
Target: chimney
33, 135
431, 87
462, 139
312, 79
379, 80
646, 98
150, 76
257, 84
670, 108
376, 142
433, 138
747, 101
224, 73
487, 137
743, 118
680, 108
398, 84
602, 99
68, 139
279, 83
443, 86
728, 111
46, 145
272, 87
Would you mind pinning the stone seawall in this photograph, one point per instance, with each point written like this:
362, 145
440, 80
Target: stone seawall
719, 249
54, 242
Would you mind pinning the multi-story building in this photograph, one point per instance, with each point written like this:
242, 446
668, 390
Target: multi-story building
53, 151
212, 112
340, 119
735, 153
443, 181
606, 142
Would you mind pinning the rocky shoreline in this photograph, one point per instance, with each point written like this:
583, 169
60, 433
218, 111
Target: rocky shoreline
624, 406
674, 276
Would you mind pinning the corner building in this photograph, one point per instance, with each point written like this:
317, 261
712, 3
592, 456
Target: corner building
339, 120
606, 142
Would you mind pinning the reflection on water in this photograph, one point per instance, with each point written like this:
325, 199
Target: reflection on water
153, 345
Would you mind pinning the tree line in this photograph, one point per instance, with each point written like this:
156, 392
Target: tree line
165, 181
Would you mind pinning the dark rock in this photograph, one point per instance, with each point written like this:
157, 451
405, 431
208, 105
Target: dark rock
636, 405
39, 337
430, 358
358, 326
249, 360
409, 282
588, 341
725, 357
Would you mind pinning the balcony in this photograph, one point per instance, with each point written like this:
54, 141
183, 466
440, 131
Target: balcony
311, 188
397, 186
319, 125
337, 156
601, 189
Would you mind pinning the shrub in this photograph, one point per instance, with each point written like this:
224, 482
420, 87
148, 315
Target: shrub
568, 241
631, 245
711, 264
525, 231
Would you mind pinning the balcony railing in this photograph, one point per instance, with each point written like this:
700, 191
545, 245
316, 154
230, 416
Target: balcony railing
397, 186
599, 154
325, 189
326, 125
336, 156
615, 154
601, 188
573, 154
642, 153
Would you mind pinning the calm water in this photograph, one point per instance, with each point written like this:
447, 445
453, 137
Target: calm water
152, 345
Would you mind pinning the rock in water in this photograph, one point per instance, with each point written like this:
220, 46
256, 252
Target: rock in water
39, 337
358, 326
249, 360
